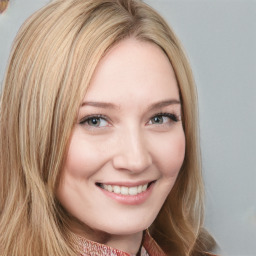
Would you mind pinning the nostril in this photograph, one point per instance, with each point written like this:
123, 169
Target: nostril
133, 162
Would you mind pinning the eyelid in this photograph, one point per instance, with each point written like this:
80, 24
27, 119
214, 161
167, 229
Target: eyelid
172, 116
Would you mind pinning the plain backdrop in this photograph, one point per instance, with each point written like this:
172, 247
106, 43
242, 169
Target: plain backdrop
220, 40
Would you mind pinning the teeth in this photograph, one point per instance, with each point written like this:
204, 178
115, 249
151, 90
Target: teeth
144, 187
133, 191
124, 190
110, 188
117, 189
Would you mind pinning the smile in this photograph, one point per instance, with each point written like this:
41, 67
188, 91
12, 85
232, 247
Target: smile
123, 190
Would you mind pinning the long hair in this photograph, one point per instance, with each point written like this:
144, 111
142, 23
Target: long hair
52, 61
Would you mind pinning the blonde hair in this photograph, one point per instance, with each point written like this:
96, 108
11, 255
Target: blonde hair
52, 61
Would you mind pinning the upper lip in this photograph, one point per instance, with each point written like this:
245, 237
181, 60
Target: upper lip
127, 183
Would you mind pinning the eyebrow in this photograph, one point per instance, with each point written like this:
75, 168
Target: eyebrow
108, 105
164, 103
99, 104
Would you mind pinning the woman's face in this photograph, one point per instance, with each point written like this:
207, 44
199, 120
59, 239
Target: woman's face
128, 144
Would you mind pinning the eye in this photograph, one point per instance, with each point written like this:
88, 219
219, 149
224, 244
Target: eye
163, 118
94, 121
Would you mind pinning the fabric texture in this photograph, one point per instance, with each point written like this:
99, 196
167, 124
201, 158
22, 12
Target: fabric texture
149, 247
90, 248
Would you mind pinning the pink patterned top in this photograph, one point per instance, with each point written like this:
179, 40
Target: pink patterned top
91, 248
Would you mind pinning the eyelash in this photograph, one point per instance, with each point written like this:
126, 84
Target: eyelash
173, 117
88, 118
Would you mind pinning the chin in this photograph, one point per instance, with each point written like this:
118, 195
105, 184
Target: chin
127, 226
125, 230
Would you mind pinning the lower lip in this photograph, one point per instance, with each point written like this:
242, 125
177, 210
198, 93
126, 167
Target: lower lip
129, 199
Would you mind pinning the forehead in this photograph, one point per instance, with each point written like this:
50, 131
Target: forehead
133, 70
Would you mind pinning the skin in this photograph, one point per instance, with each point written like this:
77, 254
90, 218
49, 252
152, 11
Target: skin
131, 143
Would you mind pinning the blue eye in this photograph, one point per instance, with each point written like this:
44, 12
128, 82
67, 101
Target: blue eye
94, 121
163, 118
158, 119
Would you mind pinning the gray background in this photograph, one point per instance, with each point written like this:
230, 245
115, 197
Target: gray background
220, 40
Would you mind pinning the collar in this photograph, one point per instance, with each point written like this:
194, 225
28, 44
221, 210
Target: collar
90, 248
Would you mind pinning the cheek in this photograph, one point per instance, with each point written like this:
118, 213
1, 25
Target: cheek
170, 155
84, 158
75, 161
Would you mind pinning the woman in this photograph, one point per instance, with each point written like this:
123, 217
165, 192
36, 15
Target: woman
99, 147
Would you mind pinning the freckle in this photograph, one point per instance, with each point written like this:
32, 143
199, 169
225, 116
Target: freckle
3, 5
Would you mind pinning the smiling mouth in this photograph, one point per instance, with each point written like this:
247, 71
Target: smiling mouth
126, 191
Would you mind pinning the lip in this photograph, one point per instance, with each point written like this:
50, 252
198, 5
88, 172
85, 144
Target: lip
129, 199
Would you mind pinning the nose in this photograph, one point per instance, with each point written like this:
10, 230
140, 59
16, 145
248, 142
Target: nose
132, 152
